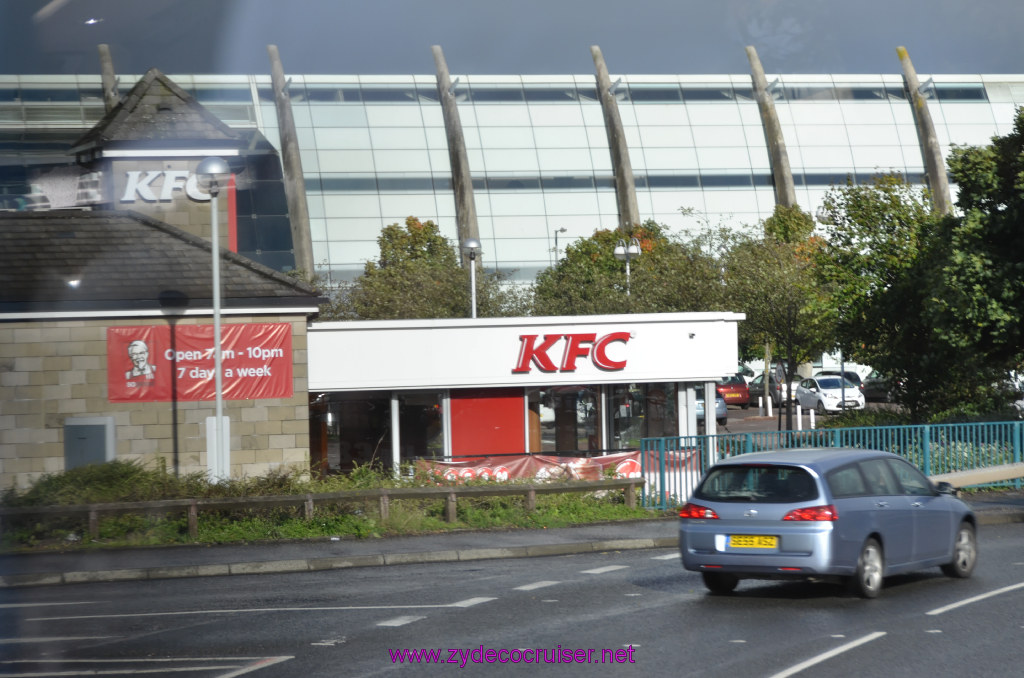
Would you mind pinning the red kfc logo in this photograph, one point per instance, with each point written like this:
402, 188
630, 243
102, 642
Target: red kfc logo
576, 346
630, 468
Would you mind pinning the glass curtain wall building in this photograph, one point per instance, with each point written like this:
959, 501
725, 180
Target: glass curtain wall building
374, 148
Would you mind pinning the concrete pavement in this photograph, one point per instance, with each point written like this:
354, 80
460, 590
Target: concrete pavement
79, 566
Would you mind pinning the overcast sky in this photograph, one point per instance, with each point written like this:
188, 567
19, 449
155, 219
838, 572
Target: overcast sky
512, 36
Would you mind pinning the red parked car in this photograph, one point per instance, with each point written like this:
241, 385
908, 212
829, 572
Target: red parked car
734, 391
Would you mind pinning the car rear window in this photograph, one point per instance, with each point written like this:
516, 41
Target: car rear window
758, 483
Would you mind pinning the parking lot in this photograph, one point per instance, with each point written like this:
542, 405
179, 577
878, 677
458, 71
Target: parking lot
752, 420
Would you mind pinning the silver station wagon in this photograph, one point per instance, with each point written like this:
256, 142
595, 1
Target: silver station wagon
846, 514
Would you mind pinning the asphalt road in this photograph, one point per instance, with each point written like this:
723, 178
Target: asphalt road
640, 604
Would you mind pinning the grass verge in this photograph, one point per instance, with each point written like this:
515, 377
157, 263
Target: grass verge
122, 481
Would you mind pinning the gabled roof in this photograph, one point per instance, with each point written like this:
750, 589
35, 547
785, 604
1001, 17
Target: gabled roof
126, 262
158, 113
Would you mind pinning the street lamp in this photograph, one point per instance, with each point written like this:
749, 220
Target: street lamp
624, 252
213, 173
563, 229
471, 246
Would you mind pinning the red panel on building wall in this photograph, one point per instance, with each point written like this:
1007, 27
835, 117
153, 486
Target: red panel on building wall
488, 421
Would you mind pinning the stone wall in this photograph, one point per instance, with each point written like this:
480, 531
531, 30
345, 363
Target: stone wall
53, 370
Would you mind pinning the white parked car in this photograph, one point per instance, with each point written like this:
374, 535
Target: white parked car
829, 394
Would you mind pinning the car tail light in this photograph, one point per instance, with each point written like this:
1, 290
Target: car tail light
697, 511
825, 512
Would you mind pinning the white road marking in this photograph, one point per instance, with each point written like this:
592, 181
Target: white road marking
535, 585
462, 603
933, 631
261, 664
793, 670
667, 556
606, 568
400, 621
203, 664
78, 602
968, 601
330, 642
54, 639
469, 602
737, 641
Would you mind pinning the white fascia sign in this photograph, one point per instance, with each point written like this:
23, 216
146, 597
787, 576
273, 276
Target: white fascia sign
535, 351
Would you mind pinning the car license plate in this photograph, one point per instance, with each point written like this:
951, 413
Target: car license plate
732, 395
850, 403
753, 541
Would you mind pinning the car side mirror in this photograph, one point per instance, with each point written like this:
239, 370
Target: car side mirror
947, 488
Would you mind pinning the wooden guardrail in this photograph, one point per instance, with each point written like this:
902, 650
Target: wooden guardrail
308, 502
981, 476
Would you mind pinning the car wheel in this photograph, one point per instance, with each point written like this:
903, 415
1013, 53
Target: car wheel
720, 582
820, 408
867, 580
745, 406
965, 553
723, 421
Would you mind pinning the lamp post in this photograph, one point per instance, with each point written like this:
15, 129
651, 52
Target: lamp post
624, 252
557, 231
212, 172
471, 246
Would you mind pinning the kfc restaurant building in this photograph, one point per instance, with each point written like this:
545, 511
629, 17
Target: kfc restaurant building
392, 392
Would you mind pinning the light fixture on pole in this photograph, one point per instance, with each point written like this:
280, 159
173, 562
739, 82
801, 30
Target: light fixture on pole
557, 231
625, 252
213, 173
471, 246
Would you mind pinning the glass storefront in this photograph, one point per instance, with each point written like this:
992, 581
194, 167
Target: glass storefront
354, 429
638, 411
569, 418
420, 425
577, 420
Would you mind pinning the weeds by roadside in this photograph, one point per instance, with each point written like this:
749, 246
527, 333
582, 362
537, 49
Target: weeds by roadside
124, 481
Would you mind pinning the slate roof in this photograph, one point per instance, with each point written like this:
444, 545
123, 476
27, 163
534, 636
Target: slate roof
161, 114
126, 261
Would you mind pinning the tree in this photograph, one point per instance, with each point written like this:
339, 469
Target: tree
913, 295
875, 236
982, 304
671, 274
418, 276
771, 280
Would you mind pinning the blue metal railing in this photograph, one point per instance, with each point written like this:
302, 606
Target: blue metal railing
673, 466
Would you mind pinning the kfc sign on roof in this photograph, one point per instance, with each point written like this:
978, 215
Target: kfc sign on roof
573, 347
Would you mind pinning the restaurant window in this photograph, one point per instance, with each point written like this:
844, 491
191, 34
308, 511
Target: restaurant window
350, 430
638, 411
420, 425
568, 417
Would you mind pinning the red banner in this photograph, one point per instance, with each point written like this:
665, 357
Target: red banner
158, 363
535, 466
